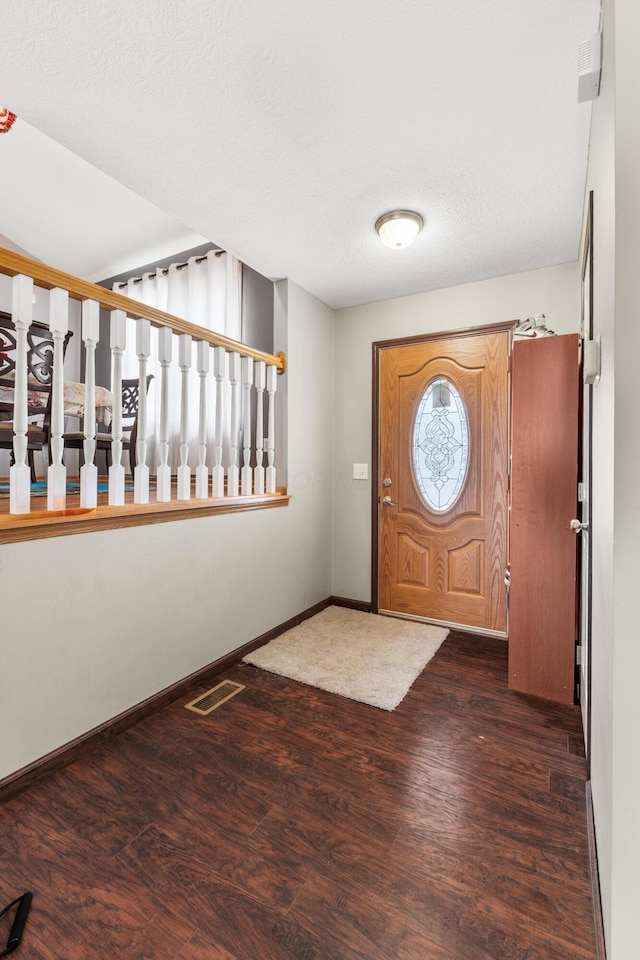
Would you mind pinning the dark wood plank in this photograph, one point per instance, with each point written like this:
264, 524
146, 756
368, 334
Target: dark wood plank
571, 788
292, 824
360, 917
199, 948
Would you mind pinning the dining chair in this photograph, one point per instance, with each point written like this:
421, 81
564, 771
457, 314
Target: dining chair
39, 386
74, 440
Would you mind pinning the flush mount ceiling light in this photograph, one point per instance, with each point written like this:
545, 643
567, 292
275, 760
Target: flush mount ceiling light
399, 228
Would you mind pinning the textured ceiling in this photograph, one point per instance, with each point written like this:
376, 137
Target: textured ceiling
281, 130
73, 216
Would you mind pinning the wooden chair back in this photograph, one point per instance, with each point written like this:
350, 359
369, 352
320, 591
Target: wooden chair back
39, 365
131, 400
39, 382
130, 407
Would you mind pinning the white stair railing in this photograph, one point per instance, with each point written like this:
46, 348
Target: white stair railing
89, 470
163, 473
202, 471
246, 487
219, 368
57, 472
260, 385
184, 473
141, 472
272, 380
243, 377
233, 473
118, 345
20, 474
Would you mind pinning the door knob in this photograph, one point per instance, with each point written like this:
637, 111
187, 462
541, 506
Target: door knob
577, 526
388, 502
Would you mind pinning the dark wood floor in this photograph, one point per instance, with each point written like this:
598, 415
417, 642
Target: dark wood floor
293, 823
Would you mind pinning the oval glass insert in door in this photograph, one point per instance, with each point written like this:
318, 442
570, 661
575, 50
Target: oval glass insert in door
440, 445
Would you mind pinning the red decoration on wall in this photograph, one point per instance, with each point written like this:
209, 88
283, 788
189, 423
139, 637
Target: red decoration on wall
7, 120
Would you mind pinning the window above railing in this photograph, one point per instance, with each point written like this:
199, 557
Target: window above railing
226, 396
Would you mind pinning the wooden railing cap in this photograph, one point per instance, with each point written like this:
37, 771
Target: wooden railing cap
12, 264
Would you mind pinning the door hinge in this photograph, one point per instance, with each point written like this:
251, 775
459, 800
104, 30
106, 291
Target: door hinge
578, 655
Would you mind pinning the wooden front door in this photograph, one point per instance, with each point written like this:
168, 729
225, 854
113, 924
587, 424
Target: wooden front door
442, 467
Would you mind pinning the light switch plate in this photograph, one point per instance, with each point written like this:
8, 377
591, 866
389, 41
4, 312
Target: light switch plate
361, 471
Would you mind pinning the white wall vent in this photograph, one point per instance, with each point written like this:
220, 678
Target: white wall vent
589, 67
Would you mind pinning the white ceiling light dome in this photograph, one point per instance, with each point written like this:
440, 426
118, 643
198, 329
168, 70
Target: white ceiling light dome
399, 228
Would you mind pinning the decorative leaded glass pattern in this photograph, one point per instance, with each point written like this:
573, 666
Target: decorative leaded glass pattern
440, 445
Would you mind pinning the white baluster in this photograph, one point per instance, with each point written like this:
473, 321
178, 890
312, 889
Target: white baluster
202, 471
89, 471
141, 475
258, 473
19, 474
118, 342
219, 364
57, 472
233, 473
272, 379
247, 472
165, 337
184, 473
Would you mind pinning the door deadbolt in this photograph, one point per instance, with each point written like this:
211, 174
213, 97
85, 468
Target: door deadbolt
387, 482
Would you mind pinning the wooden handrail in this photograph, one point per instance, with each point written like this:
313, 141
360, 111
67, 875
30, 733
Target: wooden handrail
12, 264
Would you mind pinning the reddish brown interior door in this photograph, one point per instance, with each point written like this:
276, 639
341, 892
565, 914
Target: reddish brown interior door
443, 441
544, 484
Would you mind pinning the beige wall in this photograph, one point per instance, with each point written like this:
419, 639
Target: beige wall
624, 703
613, 175
553, 291
601, 179
93, 624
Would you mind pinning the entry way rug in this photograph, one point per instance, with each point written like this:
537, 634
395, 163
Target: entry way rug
362, 656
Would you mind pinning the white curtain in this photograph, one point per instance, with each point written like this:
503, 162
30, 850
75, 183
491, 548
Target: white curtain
206, 291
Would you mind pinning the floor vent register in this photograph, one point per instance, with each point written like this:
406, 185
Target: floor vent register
214, 698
